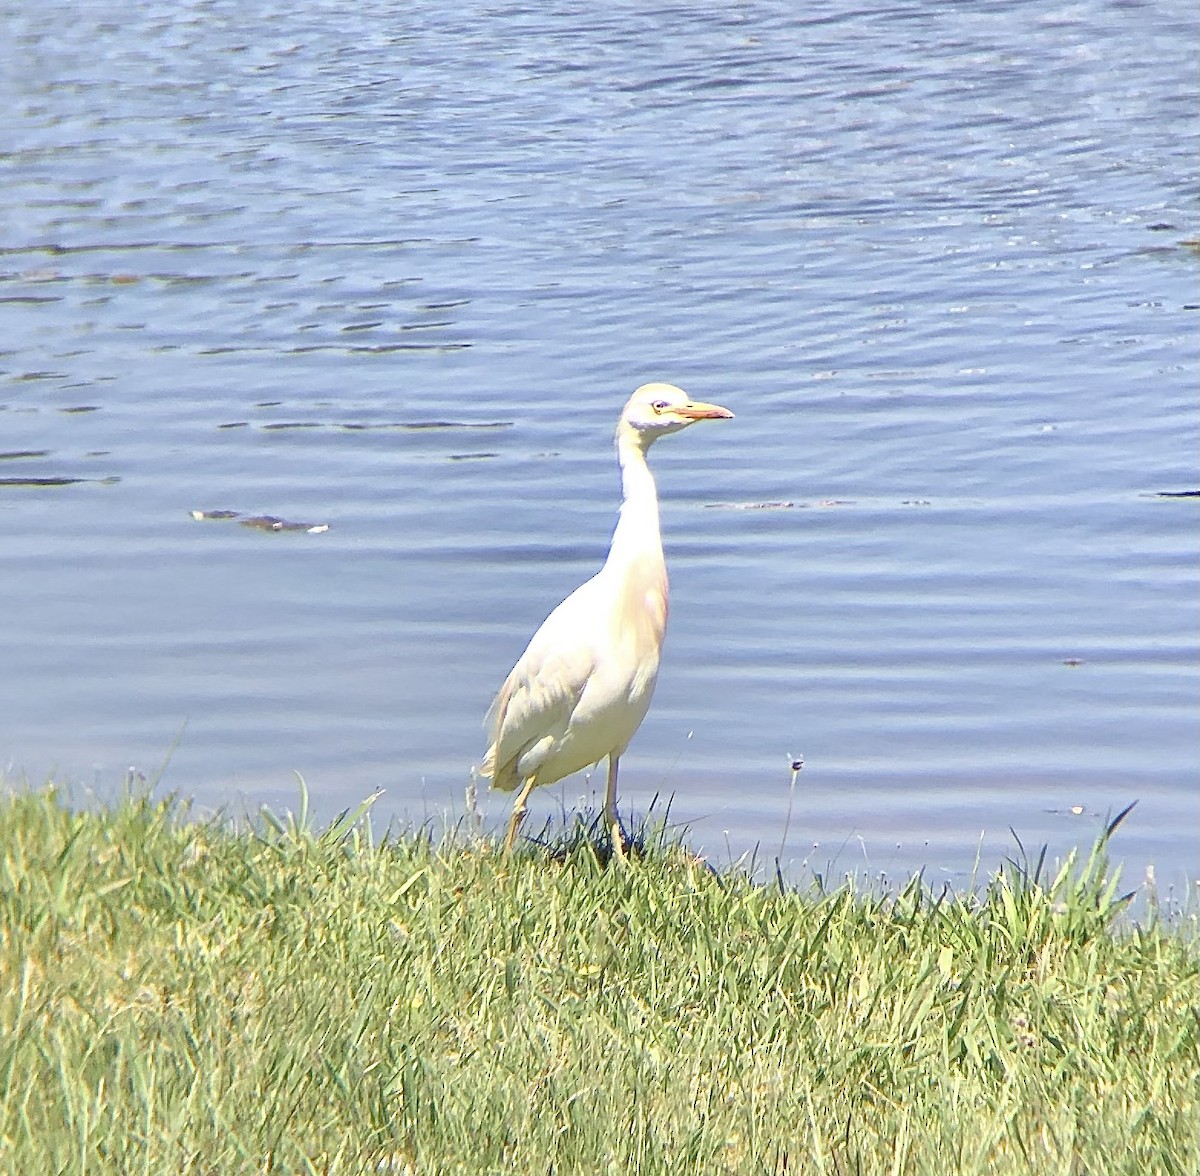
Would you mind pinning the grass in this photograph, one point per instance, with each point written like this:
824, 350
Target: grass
186, 997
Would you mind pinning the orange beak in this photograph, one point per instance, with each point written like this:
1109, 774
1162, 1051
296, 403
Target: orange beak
697, 410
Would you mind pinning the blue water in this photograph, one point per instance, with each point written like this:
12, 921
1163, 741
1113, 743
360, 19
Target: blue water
934, 257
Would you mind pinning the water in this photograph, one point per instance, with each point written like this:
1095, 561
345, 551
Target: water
933, 257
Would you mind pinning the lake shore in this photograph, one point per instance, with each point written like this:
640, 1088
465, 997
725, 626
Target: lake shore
187, 996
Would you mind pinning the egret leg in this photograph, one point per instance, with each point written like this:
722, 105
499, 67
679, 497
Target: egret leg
611, 817
518, 813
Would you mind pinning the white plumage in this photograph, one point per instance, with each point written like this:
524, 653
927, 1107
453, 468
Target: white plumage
583, 685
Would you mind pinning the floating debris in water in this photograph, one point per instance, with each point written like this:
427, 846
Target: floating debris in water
271, 523
41, 481
112, 480
260, 522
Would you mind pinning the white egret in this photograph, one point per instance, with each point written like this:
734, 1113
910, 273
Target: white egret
583, 685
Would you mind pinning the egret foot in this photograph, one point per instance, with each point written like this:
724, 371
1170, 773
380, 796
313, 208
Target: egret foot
520, 805
621, 841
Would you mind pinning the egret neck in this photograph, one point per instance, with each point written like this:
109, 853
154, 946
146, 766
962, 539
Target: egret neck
637, 533
638, 570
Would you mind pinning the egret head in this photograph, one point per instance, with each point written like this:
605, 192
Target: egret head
657, 409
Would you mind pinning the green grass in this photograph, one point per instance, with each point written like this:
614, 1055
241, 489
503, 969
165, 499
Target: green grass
182, 997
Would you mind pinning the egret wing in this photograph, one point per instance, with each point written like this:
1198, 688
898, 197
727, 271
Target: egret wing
537, 699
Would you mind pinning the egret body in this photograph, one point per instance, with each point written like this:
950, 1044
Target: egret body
583, 685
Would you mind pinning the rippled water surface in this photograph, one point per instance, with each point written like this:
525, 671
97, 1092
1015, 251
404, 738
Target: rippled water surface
393, 269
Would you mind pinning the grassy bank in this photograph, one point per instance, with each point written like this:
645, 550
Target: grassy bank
180, 997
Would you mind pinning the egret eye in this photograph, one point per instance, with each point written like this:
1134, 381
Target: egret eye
660, 405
